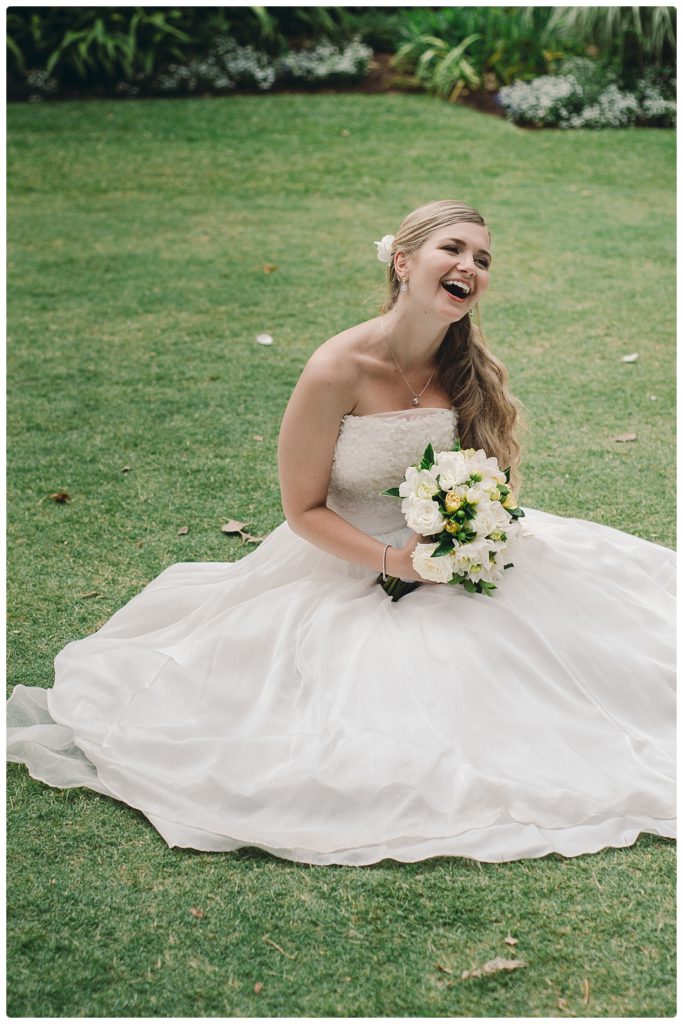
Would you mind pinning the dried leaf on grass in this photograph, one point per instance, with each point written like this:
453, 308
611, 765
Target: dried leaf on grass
258, 987
492, 967
509, 940
444, 970
234, 526
585, 984
625, 437
196, 912
631, 358
269, 268
258, 437
183, 530
60, 497
125, 469
91, 593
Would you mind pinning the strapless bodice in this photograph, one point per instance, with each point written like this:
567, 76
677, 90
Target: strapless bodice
372, 453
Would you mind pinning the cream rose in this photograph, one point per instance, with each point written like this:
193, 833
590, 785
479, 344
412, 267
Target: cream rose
437, 570
423, 516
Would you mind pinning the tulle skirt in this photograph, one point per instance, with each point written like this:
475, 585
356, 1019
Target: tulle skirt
284, 702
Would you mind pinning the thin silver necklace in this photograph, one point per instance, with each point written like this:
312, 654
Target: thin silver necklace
416, 396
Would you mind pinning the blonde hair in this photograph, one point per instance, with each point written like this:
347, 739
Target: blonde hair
475, 381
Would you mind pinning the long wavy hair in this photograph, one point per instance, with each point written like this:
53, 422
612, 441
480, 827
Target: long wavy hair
477, 383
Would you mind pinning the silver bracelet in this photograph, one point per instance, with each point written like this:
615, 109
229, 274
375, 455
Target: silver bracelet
384, 563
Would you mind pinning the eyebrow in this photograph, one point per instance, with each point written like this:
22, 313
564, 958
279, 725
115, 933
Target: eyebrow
459, 241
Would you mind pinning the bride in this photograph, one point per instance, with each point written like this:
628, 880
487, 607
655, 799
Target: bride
285, 702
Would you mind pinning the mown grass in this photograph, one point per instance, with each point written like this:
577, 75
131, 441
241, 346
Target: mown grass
138, 234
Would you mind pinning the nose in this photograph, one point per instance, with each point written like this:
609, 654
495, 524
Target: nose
466, 263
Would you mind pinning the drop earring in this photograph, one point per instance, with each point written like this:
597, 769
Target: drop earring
404, 286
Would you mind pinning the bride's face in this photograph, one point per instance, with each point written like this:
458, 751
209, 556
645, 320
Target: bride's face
459, 252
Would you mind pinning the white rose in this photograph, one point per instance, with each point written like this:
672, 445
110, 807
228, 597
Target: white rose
424, 516
484, 521
501, 518
476, 494
438, 570
451, 468
509, 549
419, 483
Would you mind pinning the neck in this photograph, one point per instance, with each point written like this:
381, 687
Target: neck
413, 337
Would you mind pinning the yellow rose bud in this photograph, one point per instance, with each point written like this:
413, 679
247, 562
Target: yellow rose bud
510, 501
452, 527
452, 502
495, 495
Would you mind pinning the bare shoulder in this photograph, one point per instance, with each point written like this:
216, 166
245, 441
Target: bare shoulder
343, 362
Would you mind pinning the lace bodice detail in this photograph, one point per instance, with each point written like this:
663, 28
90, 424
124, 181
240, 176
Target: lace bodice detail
372, 453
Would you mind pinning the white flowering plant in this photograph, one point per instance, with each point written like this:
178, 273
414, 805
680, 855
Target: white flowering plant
229, 67
584, 94
463, 502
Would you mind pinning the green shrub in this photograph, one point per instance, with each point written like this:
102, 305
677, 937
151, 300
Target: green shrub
502, 44
115, 50
631, 39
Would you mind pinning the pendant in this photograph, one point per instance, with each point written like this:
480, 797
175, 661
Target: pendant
416, 400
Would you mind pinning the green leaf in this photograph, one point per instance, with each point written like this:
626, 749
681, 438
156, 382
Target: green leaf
457, 447
509, 565
427, 460
507, 474
470, 587
444, 546
393, 492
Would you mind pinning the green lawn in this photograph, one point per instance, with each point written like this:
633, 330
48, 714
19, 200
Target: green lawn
138, 234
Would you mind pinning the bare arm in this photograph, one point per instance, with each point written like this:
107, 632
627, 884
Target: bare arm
324, 393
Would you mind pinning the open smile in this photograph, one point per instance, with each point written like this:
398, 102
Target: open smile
457, 291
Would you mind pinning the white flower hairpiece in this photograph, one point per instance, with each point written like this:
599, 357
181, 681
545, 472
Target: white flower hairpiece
384, 248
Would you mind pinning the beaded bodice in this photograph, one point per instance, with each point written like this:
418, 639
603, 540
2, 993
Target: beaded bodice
372, 453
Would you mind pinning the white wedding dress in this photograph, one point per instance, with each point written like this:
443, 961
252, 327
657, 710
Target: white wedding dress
285, 702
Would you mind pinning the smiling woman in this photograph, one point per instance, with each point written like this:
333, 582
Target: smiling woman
337, 727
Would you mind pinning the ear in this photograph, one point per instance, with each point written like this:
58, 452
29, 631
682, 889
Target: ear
401, 263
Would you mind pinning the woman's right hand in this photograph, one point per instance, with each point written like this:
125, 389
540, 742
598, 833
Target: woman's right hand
399, 560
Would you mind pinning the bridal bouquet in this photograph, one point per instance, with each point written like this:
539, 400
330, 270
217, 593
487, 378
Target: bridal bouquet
462, 501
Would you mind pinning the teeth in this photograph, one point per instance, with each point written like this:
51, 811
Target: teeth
463, 284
